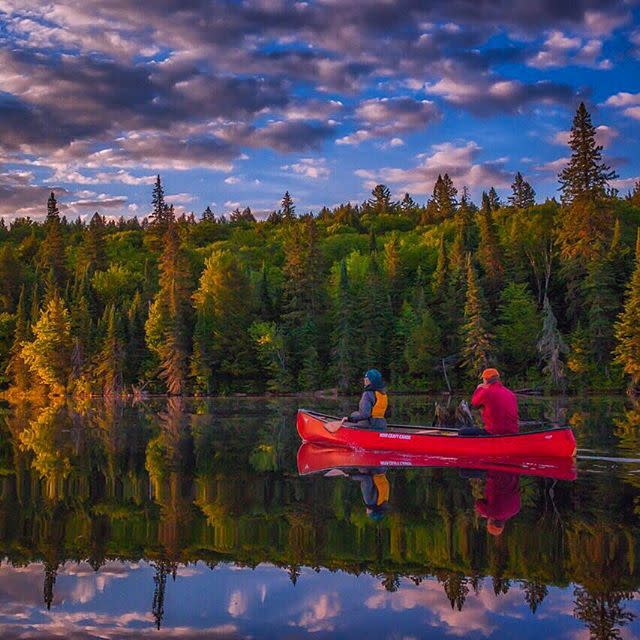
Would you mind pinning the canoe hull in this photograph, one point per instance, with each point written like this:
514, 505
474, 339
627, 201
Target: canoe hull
558, 442
314, 458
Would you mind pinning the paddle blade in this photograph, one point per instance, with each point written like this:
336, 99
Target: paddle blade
332, 426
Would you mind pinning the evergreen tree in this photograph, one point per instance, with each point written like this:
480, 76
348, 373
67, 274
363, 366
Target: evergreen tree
207, 215
110, 360
168, 324
223, 351
135, 339
11, 277
422, 348
49, 353
440, 275
288, 208
444, 197
265, 298
343, 333
373, 243
52, 250
523, 195
489, 251
158, 203
381, 199
551, 347
476, 338
94, 255
407, 204
586, 176
17, 368
494, 199
627, 328
394, 271
518, 327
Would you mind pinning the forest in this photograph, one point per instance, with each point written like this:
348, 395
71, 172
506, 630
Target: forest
549, 292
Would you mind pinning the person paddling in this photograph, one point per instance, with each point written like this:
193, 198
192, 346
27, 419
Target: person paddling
498, 405
501, 500
373, 404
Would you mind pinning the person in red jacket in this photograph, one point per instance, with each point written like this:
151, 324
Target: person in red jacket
498, 405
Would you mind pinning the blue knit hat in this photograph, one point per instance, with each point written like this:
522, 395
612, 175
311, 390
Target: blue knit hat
375, 378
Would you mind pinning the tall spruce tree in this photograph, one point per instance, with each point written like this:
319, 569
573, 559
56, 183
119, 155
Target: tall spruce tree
167, 327
17, 369
477, 349
343, 332
288, 208
52, 250
494, 199
444, 197
489, 251
523, 196
627, 328
109, 363
586, 175
380, 201
552, 347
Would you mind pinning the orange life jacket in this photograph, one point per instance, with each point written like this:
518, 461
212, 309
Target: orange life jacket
382, 485
380, 407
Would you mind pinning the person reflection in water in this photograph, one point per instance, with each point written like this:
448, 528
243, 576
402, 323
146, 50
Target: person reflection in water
374, 486
501, 500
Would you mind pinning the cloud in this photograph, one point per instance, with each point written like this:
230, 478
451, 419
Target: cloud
553, 166
21, 197
312, 168
560, 50
629, 102
460, 162
486, 95
387, 117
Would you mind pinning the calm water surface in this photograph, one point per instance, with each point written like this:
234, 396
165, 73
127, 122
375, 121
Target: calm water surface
189, 519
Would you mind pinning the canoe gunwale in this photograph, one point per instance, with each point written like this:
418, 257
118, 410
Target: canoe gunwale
436, 431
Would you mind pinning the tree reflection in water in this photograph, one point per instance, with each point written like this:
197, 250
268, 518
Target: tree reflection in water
175, 482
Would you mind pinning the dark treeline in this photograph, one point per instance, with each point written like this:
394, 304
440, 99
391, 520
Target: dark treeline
548, 292
175, 483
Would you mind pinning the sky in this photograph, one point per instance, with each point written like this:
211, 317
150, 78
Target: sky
233, 103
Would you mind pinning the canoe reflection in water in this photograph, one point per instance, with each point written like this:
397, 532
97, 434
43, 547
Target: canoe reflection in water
495, 483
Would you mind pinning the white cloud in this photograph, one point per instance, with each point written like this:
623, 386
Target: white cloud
623, 99
181, 198
560, 50
232, 180
460, 162
313, 168
553, 166
602, 24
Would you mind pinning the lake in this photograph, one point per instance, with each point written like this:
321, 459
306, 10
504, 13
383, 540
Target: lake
188, 518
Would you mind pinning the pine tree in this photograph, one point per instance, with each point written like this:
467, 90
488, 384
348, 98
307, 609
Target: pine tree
381, 199
373, 243
288, 208
394, 271
523, 194
551, 347
168, 325
519, 325
223, 349
444, 197
108, 368
17, 368
602, 307
49, 353
494, 199
627, 328
440, 275
265, 298
586, 176
343, 333
158, 202
135, 339
207, 215
52, 251
94, 256
422, 348
489, 251
477, 340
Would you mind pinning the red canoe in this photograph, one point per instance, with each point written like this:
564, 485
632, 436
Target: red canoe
314, 458
556, 442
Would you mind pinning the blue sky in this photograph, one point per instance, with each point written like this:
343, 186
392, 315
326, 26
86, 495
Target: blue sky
235, 102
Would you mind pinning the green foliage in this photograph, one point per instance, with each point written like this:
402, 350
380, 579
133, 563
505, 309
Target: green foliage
49, 354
